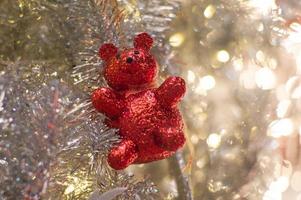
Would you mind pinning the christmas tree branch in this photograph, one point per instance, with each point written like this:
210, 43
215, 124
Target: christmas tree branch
177, 164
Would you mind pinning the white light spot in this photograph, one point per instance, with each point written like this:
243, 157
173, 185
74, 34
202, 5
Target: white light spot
214, 140
280, 185
207, 82
265, 78
282, 127
223, 56
272, 195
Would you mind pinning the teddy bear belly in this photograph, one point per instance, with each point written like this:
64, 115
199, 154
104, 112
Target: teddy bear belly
141, 120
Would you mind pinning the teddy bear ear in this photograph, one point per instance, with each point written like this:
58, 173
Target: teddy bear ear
143, 41
107, 51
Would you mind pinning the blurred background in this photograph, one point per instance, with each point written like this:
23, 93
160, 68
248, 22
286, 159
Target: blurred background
241, 60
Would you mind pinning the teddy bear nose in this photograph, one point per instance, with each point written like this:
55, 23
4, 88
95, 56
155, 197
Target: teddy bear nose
129, 60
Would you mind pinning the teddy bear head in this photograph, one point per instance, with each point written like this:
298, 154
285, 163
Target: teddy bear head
130, 68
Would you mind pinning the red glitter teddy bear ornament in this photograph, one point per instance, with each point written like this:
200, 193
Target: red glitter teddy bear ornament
149, 122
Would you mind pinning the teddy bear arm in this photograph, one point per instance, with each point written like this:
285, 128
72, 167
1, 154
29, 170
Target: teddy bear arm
124, 154
105, 101
171, 91
170, 139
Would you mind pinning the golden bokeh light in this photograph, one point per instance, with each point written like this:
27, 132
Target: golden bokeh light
176, 39
209, 11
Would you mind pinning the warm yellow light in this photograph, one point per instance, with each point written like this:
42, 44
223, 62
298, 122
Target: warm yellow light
209, 11
265, 78
223, 56
207, 82
76, 185
282, 127
130, 8
190, 76
214, 140
176, 39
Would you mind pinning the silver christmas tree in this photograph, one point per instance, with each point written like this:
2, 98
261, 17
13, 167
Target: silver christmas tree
241, 62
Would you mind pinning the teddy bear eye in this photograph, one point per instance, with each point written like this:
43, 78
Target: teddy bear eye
136, 52
129, 60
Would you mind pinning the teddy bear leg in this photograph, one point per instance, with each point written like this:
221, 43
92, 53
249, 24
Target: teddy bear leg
171, 91
104, 100
170, 138
122, 155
